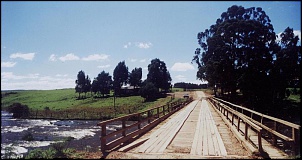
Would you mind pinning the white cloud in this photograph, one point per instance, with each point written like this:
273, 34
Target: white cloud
12, 76
25, 56
143, 45
53, 57
182, 67
143, 60
296, 33
104, 66
69, 57
133, 60
61, 75
96, 57
127, 45
8, 64
181, 78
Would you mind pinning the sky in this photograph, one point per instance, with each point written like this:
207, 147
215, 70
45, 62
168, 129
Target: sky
45, 44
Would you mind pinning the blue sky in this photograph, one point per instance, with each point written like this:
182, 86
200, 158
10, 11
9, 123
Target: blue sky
45, 44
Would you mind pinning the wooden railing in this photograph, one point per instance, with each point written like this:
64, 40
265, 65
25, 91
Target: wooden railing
226, 111
144, 121
269, 124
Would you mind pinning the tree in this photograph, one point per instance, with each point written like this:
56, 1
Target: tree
102, 83
287, 64
80, 83
135, 77
148, 91
120, 77
87, 86
242, 41
159, 75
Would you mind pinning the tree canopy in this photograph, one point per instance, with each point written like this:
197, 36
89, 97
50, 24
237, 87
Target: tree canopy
240, 52
120, 76
159, 75
135, 77
102, 83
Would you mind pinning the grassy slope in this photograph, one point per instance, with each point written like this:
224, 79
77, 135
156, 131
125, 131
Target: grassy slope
67, 99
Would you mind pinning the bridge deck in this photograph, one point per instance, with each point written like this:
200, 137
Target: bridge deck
195, 131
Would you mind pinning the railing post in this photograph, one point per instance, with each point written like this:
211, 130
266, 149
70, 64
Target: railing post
274, 138
157, 112
259, 142
139, 119
103, 138
238, 124
246, 130
123, 127
232, 119
164, 109
149, 115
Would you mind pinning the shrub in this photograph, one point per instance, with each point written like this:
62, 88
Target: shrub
18, 110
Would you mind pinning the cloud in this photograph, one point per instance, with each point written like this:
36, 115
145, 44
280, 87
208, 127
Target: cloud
10, 81
181, 78
69, 57
61, 75
133, 60
182, 67
25, 56
8, 64
96, 57
104, 66
12, 76
143, 45
143, 60
127, 45
53, 57
296, 33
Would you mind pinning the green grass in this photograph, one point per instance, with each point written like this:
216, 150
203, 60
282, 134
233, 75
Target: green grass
66, 100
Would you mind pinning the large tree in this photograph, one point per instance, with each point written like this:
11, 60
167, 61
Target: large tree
120, 77
102, 83
287, 62
159, 75
135, 77
80, 83
239, 46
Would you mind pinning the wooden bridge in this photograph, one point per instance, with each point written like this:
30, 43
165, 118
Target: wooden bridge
206, 127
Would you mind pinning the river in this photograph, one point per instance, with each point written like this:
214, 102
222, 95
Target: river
85, 133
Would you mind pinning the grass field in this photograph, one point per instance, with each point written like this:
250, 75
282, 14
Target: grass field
66, 100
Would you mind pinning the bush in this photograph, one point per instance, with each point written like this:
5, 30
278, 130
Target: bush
18, 110
149, 91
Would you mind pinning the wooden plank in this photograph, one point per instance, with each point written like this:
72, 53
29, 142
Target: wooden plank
169, 129
197, 141
222, 149
132, 145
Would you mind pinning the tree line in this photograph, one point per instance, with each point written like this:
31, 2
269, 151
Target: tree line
240, 52
186, 86
158, 81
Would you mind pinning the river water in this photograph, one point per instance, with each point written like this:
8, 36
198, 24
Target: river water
85, 133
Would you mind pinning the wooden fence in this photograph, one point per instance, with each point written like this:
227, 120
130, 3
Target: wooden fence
145, 121
226, 111
274, 126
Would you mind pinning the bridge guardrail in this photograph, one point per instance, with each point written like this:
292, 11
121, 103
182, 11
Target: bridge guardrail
259, 118
225, 110
151, 116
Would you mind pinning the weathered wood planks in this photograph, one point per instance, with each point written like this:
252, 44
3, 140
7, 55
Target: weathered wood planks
207, 140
